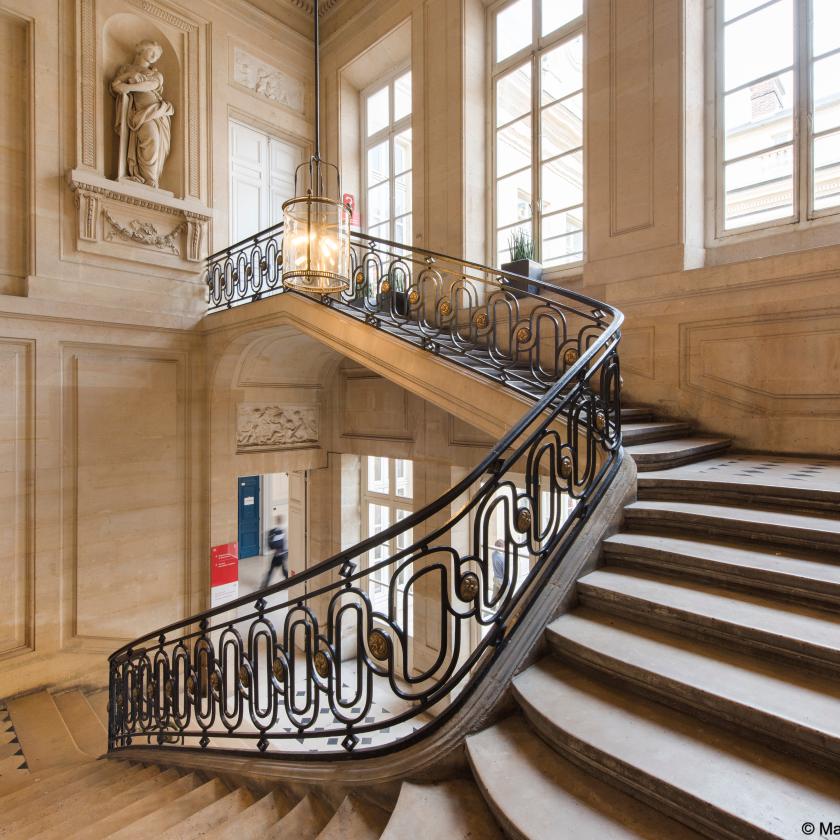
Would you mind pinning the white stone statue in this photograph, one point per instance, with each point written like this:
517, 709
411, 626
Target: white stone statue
143, 120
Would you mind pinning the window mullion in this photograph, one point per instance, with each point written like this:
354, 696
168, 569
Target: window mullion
804, 68
536, 169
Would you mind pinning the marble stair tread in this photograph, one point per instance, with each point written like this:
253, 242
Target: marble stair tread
776, 526
42, 795
305, 821
459, 808
117, 819
356, 819
796, 709
672, 453
652, 431
806, 635
30, 819
813, 484
719, 783
98, 701
533, 790
9, 748
99, 801
158, 821
14, 774
256, 820
42, 732
809, 575
85, 727
57, 777
636, 413
205, 822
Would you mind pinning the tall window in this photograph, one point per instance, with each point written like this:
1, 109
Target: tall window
387, 494
537, 79
386, 118
778, 112
262, 177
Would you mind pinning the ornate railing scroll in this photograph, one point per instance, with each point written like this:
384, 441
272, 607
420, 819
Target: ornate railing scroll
323, 664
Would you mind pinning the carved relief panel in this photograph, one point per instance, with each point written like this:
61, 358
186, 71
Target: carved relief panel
271, 426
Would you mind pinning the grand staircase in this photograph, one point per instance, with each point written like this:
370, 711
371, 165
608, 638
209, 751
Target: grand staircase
692, 692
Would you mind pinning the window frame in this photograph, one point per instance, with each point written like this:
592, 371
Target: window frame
389, 500
804, 216
539, 45
388, 133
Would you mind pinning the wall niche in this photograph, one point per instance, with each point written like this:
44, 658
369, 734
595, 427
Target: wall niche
135, 198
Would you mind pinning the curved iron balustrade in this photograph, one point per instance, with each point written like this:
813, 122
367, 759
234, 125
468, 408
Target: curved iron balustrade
306, 667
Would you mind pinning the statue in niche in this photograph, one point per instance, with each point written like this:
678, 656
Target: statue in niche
143, 120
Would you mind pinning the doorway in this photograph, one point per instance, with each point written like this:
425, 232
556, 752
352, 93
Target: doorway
250, 537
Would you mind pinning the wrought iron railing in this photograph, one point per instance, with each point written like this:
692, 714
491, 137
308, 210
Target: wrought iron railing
323, 663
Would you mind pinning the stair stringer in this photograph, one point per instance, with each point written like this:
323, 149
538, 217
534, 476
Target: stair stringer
440, 754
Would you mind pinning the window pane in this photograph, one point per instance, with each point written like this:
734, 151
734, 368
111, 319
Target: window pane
562, 127
759, 116
377, 111
513, 147
826, 26
404, 477
378, 164
734, 8
759, 44
379, 204
402, 96
513, 29
402, 194
513, 95
377, 475
404, 540
378, 521
402, 152
503, 240
402, 231
382, 231
562, 182
827, 171
556, 13
827, 93
513, 198
759, 189
562, 237
562, 71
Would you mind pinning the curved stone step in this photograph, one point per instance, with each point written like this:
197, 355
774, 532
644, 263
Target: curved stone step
27, 822
648, 431
750, 480
119, 818
460, 813
101, 802
58, 777
255, 821
532, 791
304, 822
803, 635
674, 453
800, 576
815, 533
722, 785
86, 729
37, 797
791, 709
357, 819
158, 821
636, 414
205, 822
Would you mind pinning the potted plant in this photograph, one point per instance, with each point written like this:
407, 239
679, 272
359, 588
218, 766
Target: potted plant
522, 263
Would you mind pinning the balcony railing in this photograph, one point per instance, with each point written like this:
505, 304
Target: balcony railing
324, 663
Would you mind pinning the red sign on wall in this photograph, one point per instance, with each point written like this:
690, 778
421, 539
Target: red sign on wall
350, 202
224, 573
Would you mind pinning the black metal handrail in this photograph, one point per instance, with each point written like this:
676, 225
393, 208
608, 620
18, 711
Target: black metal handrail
190, 682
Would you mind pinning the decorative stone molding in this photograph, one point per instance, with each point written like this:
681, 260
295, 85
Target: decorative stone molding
145, 233
269, 426
266, 81
127, 220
